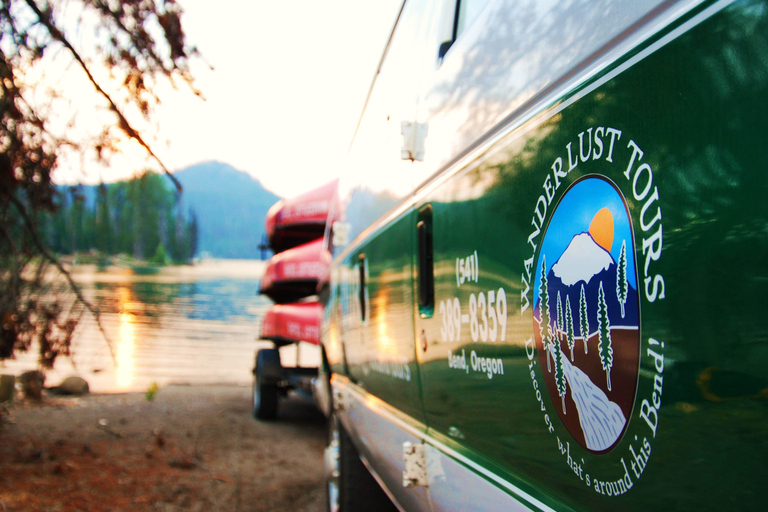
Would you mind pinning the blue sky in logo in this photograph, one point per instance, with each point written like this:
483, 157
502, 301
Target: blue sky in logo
574, 214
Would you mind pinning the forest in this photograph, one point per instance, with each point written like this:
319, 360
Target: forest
143, 218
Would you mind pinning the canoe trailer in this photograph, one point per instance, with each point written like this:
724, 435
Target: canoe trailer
298, 235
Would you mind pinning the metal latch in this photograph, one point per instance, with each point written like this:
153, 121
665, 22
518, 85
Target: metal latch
341, 233
339, 399
415, 472
414, 135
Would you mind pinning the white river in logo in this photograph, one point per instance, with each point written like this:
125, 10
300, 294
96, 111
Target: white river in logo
601, 420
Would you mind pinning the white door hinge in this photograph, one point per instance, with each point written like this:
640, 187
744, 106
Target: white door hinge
414, 135
415, 472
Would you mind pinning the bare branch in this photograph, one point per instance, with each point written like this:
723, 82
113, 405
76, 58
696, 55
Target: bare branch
123, 122
30, 225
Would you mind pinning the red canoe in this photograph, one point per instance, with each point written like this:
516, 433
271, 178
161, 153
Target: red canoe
292, 222
291, 323
294, 273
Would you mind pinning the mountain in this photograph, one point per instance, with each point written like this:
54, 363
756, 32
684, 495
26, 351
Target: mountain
582, 259
230, 206
585, 264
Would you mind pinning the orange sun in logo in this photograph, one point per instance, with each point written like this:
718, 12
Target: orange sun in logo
601, 229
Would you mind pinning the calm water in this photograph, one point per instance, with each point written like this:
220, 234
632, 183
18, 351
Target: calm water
193, 325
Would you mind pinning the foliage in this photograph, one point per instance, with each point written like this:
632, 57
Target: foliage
138, 43
141, 217
151, 392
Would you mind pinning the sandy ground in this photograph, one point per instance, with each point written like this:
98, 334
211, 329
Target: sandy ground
191, 448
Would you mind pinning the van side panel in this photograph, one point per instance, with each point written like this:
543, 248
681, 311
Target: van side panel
383, 359
599, 221
383, 405
670, 141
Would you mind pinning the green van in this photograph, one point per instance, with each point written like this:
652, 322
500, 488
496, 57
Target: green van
549, 290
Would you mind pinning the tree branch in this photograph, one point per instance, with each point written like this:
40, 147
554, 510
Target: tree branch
52, 259
125, 125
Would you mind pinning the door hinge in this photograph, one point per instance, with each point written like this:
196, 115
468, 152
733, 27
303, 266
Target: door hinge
414, 135
415, 472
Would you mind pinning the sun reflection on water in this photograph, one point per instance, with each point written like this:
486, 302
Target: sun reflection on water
125, 370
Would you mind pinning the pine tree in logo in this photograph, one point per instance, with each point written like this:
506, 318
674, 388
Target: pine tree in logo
546, 331
569, 325
583, 320
621, 278
559, 372
606, 351
560, 323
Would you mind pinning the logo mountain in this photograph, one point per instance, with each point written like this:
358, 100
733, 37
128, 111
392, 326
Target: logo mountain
586, 313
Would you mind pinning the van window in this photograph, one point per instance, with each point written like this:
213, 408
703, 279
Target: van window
459, 17
466, 13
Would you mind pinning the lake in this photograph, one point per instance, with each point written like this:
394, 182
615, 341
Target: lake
189, 324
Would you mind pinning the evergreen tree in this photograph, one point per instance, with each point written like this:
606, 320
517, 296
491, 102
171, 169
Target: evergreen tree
123, 213
183, 237
546, 331
132, 217
160, 257
583, 319
569, 325
60, 236
622, 287
78, 220
193, 231
559, 371
560, 323
149, 209
606, 350
104, 235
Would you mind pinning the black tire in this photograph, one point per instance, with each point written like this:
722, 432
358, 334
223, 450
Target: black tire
264, 400
350, 487
265, 392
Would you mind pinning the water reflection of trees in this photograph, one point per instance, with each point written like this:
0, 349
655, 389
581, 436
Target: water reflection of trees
216, 299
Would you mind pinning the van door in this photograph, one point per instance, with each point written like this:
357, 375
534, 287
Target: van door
387, 410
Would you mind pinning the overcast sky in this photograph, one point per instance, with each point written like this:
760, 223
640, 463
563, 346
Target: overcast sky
282, 101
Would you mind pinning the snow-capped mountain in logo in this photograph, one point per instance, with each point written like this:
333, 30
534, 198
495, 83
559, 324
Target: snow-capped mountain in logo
585, 264
582, 260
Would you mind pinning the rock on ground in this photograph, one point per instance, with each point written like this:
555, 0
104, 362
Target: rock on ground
74, 385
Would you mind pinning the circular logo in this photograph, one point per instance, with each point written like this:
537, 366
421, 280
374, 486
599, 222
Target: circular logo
587, 312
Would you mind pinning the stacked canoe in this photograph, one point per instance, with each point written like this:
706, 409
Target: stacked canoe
297, 233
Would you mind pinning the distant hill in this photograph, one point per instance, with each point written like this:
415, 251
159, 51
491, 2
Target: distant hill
230, 206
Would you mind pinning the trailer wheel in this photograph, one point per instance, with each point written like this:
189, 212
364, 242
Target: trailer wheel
350, 487
265, 390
